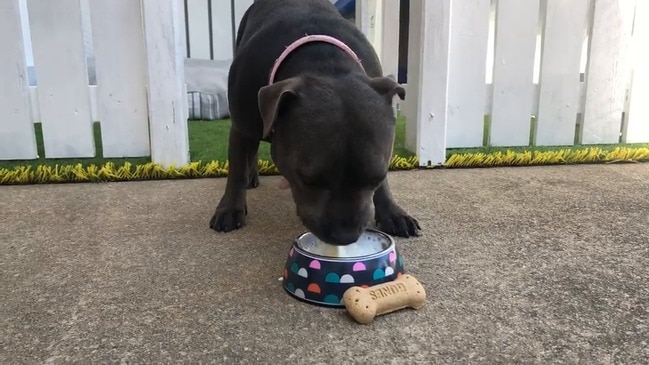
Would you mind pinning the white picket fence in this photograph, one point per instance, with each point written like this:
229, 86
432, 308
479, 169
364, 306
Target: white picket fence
580, 67
450, 45
140, 98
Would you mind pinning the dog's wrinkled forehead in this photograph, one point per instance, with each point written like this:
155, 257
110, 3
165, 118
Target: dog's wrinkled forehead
346, 116
349, 100
344, 153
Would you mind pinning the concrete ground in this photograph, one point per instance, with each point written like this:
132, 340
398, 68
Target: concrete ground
521, 265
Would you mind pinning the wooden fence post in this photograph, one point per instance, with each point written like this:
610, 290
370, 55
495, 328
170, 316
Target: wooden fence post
466, 90
637, 126
164, 34
565, 28
608, 71
121, 77
62, 78
17, 139
389, 32
428, 73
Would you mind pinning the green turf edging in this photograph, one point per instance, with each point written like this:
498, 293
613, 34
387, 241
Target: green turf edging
44, 174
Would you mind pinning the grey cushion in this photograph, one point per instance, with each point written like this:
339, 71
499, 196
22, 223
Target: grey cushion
207, 106
207, 88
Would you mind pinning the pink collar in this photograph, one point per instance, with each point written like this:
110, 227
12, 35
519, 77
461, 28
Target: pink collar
308, 39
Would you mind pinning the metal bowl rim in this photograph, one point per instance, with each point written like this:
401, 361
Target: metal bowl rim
371, 256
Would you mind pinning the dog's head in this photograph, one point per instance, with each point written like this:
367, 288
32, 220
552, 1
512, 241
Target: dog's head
332, 140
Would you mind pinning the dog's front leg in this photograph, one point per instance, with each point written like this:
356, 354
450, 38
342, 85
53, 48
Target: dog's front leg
232, 209
389, 217
253, 172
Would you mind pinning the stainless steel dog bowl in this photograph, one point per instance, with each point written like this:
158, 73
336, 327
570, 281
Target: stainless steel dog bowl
320, 273
369, 243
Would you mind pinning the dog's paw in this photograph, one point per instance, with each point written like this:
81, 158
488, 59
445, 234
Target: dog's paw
398, 223
253, 179
253, 182
228, 219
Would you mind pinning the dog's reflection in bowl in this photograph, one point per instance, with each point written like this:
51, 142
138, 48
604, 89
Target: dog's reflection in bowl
320, 273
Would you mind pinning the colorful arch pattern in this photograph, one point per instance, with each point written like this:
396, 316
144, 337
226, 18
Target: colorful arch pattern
325, 282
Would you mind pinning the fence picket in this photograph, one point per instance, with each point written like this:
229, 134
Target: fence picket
17, 140
564, 34
222, 37
121, 79
608, 71
164, 34
428, 79
466, 89
240, 7
637, 128
64, 100
513, 89
198, 24
389, 53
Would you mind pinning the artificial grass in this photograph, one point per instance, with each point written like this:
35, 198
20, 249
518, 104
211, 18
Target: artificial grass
208, 153
208, 141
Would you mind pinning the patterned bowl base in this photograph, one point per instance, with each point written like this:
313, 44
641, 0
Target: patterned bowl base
324, 283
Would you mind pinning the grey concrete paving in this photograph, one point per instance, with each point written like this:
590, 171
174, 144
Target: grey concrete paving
521, 265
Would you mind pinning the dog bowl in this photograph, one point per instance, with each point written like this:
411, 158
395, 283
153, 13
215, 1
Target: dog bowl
320, 273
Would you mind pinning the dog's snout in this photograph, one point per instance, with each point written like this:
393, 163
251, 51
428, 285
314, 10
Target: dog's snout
335, 234
339, 221
346, 230
348, 223
344, 237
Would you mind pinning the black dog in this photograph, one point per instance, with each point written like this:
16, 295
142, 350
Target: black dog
328, 117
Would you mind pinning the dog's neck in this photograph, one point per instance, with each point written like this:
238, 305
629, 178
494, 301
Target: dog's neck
308, 39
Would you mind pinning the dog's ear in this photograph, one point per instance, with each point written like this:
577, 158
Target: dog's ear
388, 87
273, 98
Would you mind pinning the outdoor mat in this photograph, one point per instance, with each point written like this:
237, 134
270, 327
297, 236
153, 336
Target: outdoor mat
54, 173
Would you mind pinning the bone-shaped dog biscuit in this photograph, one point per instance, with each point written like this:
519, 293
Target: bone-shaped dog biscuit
364, 304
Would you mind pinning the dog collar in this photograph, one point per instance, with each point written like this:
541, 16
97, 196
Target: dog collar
308, 39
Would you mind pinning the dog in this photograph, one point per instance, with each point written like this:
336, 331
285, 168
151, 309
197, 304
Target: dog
307, 81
